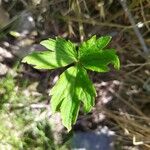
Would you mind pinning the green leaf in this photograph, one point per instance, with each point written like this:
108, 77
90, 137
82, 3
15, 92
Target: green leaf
50, 44
85, 93
103, 41
70, 90
93, 45
99, 61
64, 97
88, 47
62, 87
69, 111
60, 45
62, 54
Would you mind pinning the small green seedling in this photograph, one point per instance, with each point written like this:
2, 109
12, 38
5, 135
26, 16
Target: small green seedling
74, 86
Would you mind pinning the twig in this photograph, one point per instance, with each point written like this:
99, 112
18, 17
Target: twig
135, 70
92, 22
137, 64
127, 103
135, 28
95, 22
143, 15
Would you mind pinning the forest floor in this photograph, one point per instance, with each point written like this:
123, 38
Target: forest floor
123, 97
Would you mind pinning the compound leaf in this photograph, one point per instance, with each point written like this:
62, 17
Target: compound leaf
70, 90
74, 86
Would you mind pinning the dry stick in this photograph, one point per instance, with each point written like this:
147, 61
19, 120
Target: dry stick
135, 28
95, 22
128, 104
129, 122
137, 64
81, 29
143, 15
92, 22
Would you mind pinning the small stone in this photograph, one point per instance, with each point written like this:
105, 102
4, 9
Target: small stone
3, 69
5, 54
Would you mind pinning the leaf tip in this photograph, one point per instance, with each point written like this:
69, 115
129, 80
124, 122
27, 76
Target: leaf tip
69, 129
24, 60
117, 64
